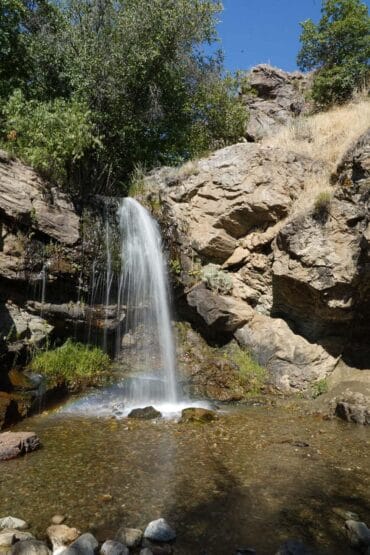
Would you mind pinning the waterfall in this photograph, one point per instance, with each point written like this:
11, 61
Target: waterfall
143, 288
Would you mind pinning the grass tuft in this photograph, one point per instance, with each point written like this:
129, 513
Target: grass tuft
73, 364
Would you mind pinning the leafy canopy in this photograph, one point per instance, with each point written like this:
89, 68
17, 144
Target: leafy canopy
338, 47
153, 96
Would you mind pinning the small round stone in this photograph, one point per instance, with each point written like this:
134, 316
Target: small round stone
159, 531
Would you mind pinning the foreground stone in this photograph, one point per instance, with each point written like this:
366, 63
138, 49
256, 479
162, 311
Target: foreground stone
13, 523
9, 536
13, 444
358, 534
295, 547
147, 413
129, 536
61, 535
159, 531
30, 547
111, 547
84, 545
197, 415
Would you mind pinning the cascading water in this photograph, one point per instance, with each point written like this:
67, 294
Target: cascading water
145, 346
144, 290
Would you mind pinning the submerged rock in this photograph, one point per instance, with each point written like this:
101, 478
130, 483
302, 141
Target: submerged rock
58, 519
13, 444
13, 523
30, 547
197, 415
147, 413
159, 531
111, 547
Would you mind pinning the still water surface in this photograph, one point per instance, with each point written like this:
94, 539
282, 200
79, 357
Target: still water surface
255, 477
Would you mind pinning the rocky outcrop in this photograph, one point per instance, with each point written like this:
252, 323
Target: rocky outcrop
26, 198
291, 287
273, 98
320, 269
48, 251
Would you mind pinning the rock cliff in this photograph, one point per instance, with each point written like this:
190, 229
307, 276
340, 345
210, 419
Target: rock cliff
46, 252
291, 285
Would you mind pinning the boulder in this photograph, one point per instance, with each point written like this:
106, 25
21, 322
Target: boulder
293, 363
8, 536
111, 547
358, 534
61, 535
147, 413
13, 523
220, 313
193, 414
13, 444
129, 536
84, 545
275, 99
159, 531
30, 547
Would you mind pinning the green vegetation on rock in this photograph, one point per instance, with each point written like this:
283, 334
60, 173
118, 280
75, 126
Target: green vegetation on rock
338, 47
73, 364
251, 372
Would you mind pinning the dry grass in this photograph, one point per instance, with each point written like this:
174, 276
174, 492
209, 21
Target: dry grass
324, 137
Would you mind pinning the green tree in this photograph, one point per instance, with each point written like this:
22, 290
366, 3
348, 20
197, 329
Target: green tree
153, 96
12, 46
338, 48
51, 136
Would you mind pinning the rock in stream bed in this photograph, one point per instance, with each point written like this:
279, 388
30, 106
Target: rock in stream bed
13, 444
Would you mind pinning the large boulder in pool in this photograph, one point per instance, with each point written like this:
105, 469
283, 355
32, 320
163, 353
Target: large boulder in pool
194, 414
147, 413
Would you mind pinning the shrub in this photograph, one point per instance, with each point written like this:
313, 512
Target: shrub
73, 365
50, 136
338, 47
322, 203
216, 279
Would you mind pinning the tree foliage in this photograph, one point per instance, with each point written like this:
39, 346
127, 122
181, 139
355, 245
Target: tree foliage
153, 95
51, 136
338, 47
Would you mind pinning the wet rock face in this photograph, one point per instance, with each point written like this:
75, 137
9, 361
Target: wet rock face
276, 98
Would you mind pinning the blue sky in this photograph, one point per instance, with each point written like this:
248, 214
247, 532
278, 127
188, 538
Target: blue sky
264, 31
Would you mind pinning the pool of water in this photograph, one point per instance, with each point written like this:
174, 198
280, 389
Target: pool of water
254, 477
